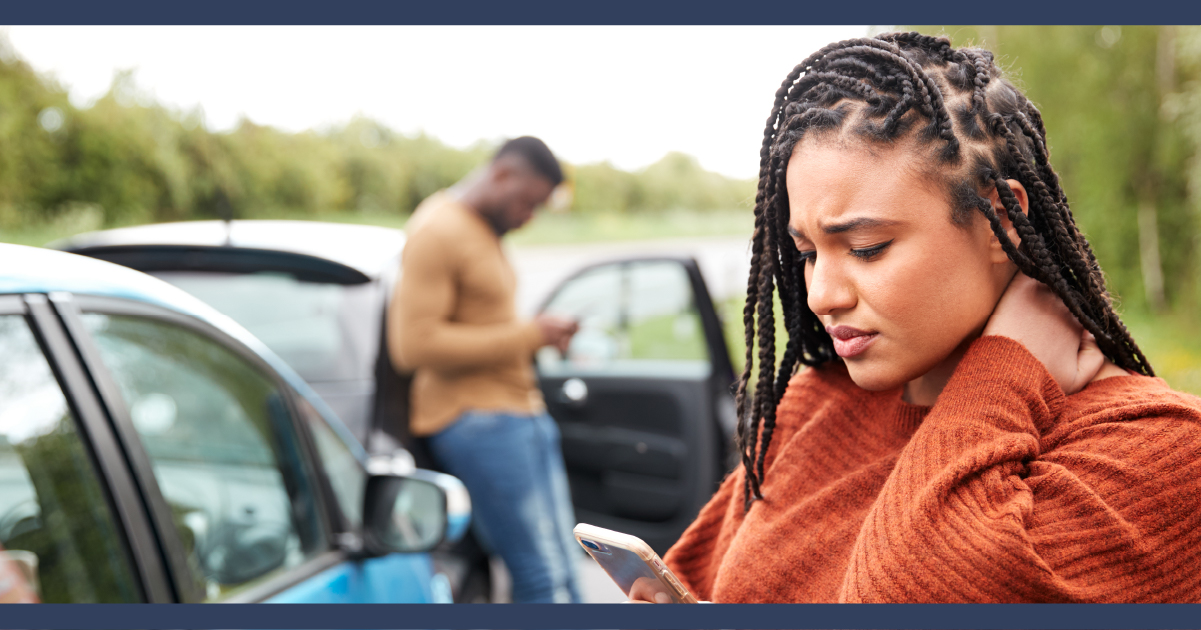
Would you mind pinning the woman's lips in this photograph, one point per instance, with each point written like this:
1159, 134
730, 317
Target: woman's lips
849, 342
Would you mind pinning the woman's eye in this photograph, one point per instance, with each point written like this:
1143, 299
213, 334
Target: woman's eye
808, 256
868, 253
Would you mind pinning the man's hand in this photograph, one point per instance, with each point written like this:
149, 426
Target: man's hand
556, 331
1030, 313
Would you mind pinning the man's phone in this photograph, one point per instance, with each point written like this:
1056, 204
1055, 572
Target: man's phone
626, 558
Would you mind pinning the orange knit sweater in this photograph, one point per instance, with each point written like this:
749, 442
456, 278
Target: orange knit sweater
1004, 491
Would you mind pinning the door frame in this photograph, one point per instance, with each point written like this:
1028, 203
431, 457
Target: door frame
70, 309
135, 532
722, 379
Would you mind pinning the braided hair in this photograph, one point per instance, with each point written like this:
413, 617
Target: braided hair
981, 131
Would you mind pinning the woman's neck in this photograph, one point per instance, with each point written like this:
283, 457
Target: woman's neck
924, 390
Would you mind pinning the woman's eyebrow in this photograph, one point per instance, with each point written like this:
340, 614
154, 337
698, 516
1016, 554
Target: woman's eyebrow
856, 224
848, 226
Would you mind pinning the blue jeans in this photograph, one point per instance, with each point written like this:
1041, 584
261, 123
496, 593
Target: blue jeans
513, 469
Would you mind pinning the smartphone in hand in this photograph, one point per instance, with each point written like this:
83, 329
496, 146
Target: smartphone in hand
627, 558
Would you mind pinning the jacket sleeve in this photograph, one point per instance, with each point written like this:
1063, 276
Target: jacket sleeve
998, 499
421, 332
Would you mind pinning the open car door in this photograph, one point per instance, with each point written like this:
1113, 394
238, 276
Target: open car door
642, 396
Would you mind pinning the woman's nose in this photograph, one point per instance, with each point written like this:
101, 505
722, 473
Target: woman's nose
828, 289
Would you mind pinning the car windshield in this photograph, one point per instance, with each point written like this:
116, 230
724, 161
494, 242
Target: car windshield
325, 331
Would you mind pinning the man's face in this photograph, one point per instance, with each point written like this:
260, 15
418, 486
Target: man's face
527, 191
519, 192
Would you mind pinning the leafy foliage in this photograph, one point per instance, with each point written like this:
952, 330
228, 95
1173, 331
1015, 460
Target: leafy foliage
128, 159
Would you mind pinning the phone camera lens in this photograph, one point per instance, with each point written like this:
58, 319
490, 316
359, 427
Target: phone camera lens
591, 545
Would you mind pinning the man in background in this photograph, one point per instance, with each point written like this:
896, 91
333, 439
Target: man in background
474, 395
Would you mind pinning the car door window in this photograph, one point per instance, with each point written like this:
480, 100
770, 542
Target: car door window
634, 317
223, 448
55, 519
346, 475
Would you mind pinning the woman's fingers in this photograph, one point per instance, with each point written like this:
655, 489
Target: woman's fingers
645, 591
1030, 313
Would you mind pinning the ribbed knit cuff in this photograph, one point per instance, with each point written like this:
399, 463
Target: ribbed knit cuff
1000, 374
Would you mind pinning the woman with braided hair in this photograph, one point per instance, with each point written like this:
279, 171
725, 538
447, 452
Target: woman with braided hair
959, 414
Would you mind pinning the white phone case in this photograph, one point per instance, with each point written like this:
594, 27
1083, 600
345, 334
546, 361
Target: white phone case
626, 558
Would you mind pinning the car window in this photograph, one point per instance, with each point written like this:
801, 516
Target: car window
346, 475
55, 521
635, 317
223, 447
325, 331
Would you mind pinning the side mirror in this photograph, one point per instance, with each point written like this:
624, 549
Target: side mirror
402, 514
409, 509
458, 502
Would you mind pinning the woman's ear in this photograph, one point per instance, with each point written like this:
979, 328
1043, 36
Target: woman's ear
1019, 192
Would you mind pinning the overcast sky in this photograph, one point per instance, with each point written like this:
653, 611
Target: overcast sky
627, 94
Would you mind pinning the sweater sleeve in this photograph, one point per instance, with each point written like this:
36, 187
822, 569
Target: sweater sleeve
976, 511
420, 330
694, 558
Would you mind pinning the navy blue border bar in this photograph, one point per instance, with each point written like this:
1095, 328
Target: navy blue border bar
607, 12
536, 616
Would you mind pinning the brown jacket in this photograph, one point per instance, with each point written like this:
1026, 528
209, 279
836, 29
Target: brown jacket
1004, 491
453, 320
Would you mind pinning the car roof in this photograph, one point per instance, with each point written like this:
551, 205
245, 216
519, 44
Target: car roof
369, 249
39, 270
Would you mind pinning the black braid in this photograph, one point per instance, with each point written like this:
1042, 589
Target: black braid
906, 86
746, 423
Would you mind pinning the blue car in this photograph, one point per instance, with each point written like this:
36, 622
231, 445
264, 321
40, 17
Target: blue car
152, 450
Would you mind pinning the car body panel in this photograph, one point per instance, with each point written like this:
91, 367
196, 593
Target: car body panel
389, 579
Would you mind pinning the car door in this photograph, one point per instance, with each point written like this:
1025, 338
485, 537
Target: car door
227, 464
72, 527
642, 395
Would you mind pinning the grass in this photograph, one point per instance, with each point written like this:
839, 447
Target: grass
1172, 345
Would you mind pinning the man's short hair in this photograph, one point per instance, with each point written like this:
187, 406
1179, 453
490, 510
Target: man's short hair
536, 154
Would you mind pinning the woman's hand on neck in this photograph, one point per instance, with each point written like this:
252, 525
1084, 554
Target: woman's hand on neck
1034, 316
1031, 314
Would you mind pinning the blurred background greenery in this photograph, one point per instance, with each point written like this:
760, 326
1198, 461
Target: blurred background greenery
1122, 107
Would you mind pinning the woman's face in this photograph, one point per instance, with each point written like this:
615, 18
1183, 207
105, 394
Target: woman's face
901, 289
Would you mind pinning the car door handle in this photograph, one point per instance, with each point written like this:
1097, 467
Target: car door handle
574, 392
